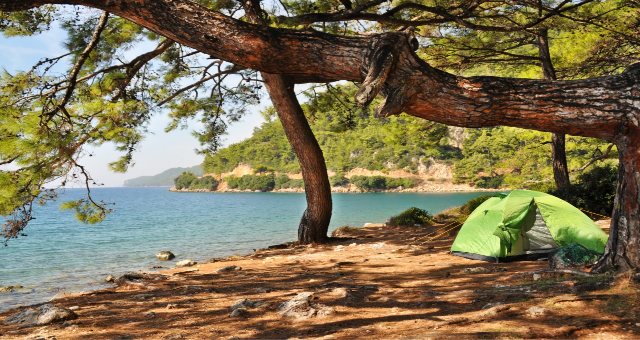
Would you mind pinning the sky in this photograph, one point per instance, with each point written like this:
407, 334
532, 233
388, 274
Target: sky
158, 152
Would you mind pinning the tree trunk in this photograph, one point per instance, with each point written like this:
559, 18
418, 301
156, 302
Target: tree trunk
558, 150
559, 159
623, 248
315, 220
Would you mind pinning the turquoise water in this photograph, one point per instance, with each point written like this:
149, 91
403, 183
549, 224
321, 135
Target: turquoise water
61, 255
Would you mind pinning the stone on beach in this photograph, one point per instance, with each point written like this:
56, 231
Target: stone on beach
41, 315
186, 263
301, 307
228, 269
165, 255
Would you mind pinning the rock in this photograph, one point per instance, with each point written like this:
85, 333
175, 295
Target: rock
9, 289
228, 269
109, 278
340, 292
536, 312
300, 307
476, 270
536, 276
186, 263
239, 313
165, 255
42, 315
134, 277
246, 304
492, 304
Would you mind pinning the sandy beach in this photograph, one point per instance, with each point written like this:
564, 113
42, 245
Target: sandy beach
372, 282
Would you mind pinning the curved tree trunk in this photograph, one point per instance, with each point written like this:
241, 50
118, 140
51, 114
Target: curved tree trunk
558, 149
315, 220
623, 248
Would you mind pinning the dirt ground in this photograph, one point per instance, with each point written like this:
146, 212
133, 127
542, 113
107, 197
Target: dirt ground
379, 282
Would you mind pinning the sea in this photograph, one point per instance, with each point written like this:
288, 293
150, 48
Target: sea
60, 255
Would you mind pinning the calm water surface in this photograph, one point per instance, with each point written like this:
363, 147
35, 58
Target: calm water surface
61, 255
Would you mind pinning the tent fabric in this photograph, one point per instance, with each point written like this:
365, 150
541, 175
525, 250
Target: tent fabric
522, 223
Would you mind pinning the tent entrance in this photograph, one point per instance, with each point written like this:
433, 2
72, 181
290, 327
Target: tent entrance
537, 239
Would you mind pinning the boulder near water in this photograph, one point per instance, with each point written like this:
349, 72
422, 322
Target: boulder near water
186, 263
165, 255
41, 315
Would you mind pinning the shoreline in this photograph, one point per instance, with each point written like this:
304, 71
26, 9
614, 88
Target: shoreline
339, 190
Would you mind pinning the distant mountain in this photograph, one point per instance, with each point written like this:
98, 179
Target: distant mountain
163, 179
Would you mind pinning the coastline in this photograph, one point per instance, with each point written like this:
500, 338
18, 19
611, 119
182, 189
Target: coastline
453, 188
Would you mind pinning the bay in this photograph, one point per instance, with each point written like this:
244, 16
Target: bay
61, 255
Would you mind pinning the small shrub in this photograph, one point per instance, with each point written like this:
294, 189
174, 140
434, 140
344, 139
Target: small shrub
252, 182
488, 182
369, 183
184, 180
339, 180
374, 183
188, 180
593, 190
411, 217
461, 213
261, 169
284, 182
204, 183
394, 183
471, 205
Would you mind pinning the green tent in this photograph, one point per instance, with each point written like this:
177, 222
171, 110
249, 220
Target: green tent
525, 225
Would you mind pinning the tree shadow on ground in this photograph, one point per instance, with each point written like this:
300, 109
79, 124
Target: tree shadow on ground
434, 294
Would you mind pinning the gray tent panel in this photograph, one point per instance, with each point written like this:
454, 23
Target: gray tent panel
539, 238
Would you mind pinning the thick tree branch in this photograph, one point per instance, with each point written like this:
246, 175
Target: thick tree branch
595, 108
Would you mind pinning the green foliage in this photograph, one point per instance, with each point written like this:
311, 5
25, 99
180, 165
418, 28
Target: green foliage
283, 181
338, 180
98, 91
204, 183
376, 183
252, 182
518, 158
410, 217
188, 180
26, 22
349, 137
184, 180
471, 205
593, 191
86, 210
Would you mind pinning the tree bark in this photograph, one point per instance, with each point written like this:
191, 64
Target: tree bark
623, 248
315, 220
559, 161
558, 149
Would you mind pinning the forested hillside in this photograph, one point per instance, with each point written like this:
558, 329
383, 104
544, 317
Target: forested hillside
354, 138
